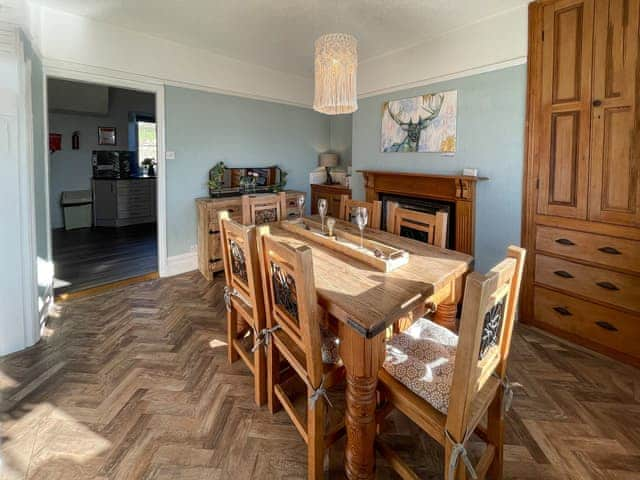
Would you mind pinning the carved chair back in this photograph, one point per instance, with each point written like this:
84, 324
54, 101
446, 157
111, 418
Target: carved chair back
402, 221
258, 209
241, 267
374, 208
486, 328
290, 299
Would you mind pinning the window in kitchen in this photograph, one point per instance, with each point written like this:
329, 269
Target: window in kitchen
147, 147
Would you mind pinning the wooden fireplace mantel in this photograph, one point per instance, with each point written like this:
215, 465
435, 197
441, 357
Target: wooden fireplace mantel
457, 189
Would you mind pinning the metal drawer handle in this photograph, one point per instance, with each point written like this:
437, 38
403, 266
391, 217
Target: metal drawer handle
564, 241
606, 326
211, 232
214, 260
607, 286
563, 311
610, 250
563, 274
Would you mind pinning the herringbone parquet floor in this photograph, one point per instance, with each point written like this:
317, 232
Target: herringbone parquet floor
134, 384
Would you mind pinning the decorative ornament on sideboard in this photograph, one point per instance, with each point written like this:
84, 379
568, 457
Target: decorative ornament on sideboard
335, 66
216, 179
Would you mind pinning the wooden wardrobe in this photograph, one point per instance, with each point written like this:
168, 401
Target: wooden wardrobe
582, 187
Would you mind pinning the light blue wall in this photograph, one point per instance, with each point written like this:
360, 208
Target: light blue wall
205, 128
490, 137
341, 126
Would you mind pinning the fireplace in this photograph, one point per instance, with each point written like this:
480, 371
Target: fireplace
429, 192
425, 205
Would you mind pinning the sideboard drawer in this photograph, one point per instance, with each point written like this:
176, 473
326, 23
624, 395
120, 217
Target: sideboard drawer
605, 326
235, 212
617, 289
600, 249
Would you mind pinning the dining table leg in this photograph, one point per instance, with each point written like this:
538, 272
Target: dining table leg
447, 308
362, 358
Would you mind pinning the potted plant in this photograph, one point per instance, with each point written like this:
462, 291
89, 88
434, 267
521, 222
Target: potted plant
216, 179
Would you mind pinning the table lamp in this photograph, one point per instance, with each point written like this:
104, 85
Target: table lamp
328, 160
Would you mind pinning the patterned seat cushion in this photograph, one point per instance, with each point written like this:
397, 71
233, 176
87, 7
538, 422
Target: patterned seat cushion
422, 358
330, 344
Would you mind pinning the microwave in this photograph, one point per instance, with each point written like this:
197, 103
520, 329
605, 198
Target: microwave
113, 163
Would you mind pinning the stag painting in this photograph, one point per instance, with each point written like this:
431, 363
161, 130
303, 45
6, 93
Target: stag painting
420, 124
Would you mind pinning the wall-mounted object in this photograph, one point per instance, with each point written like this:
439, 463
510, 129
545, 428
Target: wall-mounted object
420, 124
470, 172
75, 140
107, 136
55, 142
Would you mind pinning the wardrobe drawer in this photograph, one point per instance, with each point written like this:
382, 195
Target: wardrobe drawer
603, 285
600, 249
611, 328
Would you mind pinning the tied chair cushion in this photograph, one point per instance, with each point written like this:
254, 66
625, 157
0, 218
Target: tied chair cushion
422, 358
330, 345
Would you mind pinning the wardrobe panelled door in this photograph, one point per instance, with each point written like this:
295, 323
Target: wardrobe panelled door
582, 188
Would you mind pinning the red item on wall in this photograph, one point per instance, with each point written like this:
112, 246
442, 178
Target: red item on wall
75, 140
55, 142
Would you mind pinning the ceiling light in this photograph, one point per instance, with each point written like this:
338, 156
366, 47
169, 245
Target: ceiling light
336, 65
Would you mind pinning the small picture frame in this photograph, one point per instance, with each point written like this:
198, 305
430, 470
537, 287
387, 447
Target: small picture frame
107, 136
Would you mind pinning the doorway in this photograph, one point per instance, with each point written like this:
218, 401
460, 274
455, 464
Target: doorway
103, 171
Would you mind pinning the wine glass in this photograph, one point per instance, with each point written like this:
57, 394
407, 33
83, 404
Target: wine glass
322, 210
362, 218
300, 202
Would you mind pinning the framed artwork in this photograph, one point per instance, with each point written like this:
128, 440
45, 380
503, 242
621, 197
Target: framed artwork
420, 124
107, 136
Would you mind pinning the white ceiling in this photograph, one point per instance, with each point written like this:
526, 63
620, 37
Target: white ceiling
279, 34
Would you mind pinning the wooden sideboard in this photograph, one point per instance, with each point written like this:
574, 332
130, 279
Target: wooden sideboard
332, 194
209, 251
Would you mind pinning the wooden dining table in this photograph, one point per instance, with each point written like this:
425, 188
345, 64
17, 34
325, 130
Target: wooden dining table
365, 301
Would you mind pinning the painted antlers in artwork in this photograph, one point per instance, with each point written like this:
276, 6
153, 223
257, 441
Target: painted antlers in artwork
431, 104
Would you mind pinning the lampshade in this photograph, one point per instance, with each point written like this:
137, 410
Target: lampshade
336, 64
328, 159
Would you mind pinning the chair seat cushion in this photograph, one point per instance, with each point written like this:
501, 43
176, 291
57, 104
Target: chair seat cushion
422, 358
330, 345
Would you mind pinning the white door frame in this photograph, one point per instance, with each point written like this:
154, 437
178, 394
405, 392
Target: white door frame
123, 80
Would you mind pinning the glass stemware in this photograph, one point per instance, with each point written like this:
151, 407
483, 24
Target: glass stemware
322, 210
330, 224
300, 203
362, 218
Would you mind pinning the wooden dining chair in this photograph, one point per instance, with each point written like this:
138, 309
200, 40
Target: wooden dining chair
243, 299
374, 208
446, 384
430, 228
295, 335
263, 208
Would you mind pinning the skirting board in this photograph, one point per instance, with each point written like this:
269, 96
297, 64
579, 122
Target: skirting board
185, 262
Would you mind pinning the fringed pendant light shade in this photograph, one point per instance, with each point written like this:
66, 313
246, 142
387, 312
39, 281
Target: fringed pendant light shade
336, 65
